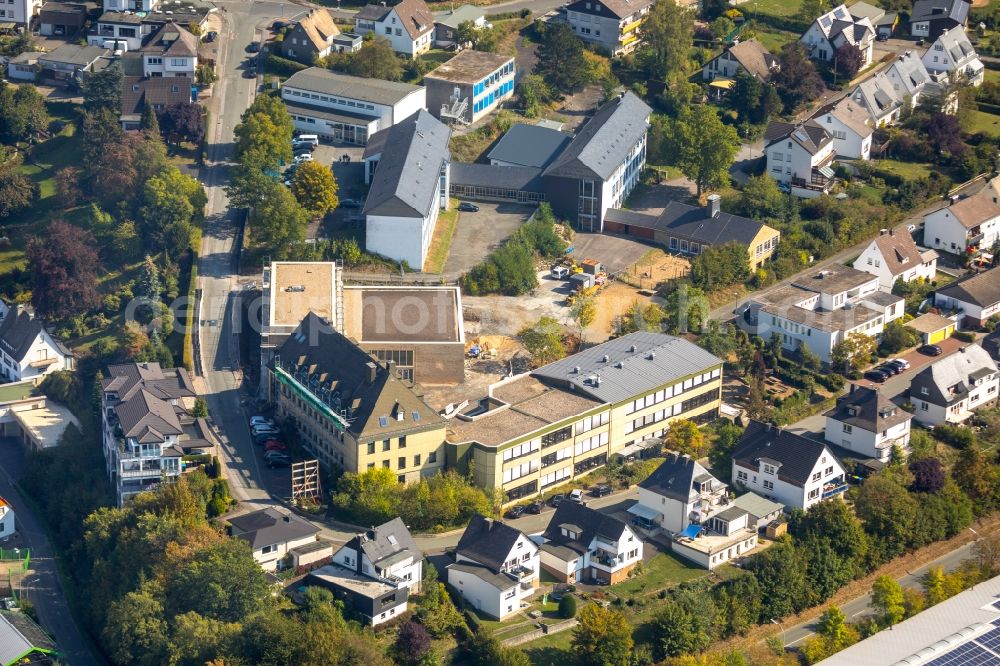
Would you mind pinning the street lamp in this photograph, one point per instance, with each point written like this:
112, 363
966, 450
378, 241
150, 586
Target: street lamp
773, 621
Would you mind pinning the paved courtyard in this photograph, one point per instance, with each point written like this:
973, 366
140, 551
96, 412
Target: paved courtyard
478, 234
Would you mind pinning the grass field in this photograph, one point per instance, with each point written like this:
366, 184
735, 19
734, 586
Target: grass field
907, 170
987, 123
774, 7
444, 231
773, 40
664, 570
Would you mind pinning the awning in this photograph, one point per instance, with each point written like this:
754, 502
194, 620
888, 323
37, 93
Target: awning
826, 171
691, 531
643, 512
725, 84
7, 26
633, 449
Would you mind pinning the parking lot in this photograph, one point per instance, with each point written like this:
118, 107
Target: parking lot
477, 234
615, 252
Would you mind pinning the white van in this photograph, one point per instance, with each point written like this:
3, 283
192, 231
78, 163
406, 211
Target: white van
306, 138
560, 272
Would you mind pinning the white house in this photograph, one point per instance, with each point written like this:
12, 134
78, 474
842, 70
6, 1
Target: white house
496, 567
877, 96
408, 166
819, 310
171, 51
349, 109
952, 52
836, 28
909, 77
614, 26
409, 25
119, 29
385, 552
952, 388
847, 123
27, 349
866, 422
7, 524
893, 255
749, 56
678, 493
583, 544
791, 469
272, 534
20, 12
726, 535
968, 225
975, 298
800, 157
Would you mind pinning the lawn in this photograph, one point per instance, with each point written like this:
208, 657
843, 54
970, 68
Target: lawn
444, 231
663, 571
987, 123
772, 39
783, 8
907, 170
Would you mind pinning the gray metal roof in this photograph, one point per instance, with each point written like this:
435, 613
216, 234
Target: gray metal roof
407, 180
603, 143
529, 146
648, 361
20, 636
375, 91
523, 179
692, 222
756, 505
453, 17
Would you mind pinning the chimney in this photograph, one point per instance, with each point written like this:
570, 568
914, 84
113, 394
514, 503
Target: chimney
712, 204
286, 519
372, 372
391, 367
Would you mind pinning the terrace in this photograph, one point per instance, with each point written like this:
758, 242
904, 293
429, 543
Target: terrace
834, 487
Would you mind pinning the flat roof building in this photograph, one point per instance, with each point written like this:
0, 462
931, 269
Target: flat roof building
528, 146
470, 85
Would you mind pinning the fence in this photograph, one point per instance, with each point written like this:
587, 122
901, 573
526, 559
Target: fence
538, 633
16, 554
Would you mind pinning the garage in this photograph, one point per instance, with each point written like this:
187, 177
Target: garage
933, 328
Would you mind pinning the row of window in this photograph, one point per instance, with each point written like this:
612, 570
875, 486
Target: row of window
330, 99
590, 422
555, 477
553, 458
517, 471
522, 449
591, 443
387, 444
671, 391
401, 461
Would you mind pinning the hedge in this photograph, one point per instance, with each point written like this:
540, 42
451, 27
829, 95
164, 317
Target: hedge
190, 320
282, 66
964, 336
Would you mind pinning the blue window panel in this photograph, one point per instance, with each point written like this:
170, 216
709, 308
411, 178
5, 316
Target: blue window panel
967, 654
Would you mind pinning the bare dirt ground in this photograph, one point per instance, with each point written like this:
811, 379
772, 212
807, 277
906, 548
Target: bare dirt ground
579, 106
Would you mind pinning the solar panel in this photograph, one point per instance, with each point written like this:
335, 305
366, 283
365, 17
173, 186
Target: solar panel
996, 605
996, 622
967, 654
990, 640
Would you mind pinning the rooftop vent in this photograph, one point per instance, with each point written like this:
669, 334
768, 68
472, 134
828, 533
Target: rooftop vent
632, 349
295, 287
619, 365
651, 355
606, 358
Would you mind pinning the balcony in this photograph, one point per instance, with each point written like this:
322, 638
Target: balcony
835, 487
43, 362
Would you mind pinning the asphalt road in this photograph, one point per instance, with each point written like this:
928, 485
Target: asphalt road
43, 587
856, 608
537, 7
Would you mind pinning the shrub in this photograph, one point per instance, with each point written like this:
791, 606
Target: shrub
567, 606
964, 336
958, 436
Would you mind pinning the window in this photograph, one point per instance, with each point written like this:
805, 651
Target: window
848, 428
402, 441
828, 471
432, 458
371, 447
741, 475
769, 485
269, 549
817, 476
402, 462
814, 493
416, 460
768, 469
385, 444
385, 463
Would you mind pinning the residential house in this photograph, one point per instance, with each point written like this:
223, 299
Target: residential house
789, 468
496, 567
385, 553
407, 166
869, 424
471, 85
119, 29
146, 426
583, 544
272, 533
23, 13
929, 18
351, 410
910, 79
350, 109
311, 37
893, 255
614, 26
409, 25
27, 349
24, 66
847, 123
837, 28
968, 225
800, 156
762, 511
601, 165
678, 493
158, 93
685, 229
749, 56
821, 309
369, 598
7, 524
131, 5
22, 641
531, 146
172, 51
347, 42
61, 19
974, 298
534, 431
71, 62
949, 390
877, 95
720, 538
885, 22
446, 23
952, 54
933, 328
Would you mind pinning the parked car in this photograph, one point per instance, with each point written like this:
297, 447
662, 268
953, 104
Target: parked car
278, 25
536, 507
876, 376
304, 157
576, 495
264, 437
260, 420
930, 350
275, 454
466, 207
274, 445
560, 272
600, 491
350, 203
211, 36
901, 362
253, 47
269, 432
279, 461
302, 149
556, 500
515, 511
889, 369
250, 73
882, 37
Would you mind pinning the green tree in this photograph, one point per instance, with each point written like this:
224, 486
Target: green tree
583, 312
719, 266
674, 627
797, 81
149, 122
686, 309
887, 598
437, 612
889, 515
376, 60
602, 638
200, 410
543, 340
220, 582
567, 606
668, 37
278, 222
135, 630
259, 132
535, 94
560, 59
810, 9
853, 352
706, 147
103, 89
727, 436
833, 627
16, 191
934, 586
172, 202
781, 575
978, 478
685, 437
315, 188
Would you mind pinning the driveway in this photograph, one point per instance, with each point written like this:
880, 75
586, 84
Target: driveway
478, 234
615, 252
